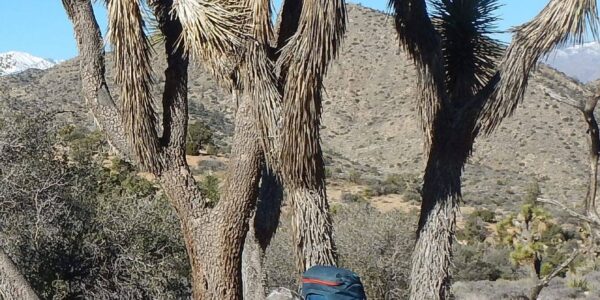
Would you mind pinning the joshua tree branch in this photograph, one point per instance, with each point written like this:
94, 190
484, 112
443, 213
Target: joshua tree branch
570, 211
95, 89
542, 283
174, 101
558, 22
420, 39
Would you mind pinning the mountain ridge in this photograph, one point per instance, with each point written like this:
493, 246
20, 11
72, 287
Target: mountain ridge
578, 61
370, 117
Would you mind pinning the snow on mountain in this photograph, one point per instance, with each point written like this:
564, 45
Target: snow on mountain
581, 62
14, 62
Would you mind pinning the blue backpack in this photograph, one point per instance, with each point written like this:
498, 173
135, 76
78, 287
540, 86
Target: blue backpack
331, 283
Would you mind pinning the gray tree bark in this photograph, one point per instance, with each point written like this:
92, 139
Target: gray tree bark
593, 155
12, 283
263, 225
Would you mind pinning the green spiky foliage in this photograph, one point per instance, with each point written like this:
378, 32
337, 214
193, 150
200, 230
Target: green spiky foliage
470, 54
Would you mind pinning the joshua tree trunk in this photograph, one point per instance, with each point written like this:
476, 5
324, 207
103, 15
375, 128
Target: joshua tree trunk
430, 277
263, 225
308, 36
303, 62
594, 152
464, 93
12, 284
312, 227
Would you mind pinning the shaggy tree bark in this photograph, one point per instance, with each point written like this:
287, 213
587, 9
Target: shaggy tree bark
12, 283
213, 234
302, 64
441, 196
289, 77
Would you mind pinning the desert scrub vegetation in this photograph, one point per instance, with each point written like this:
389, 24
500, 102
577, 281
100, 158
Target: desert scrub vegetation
525, 243
375, 245
407, 185
80, 224
83, 224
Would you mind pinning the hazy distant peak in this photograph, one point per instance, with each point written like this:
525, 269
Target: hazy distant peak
581, 62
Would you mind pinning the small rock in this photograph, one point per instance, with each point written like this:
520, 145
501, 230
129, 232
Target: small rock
283, 294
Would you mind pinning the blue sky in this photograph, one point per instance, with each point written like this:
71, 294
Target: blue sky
41, 27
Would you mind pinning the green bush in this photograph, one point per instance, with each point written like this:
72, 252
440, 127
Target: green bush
399, 184
474, 230
470, 264
200, 136
352, 198
485, 215
210, 189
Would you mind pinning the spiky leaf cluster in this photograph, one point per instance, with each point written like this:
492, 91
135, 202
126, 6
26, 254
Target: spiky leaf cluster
470, 54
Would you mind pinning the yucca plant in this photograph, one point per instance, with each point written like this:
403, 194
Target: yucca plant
278, 93
468, 86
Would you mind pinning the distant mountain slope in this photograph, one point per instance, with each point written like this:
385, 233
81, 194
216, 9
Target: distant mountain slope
581, 62
370, 117
15, 62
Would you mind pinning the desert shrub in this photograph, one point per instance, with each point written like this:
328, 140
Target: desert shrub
81, 225
400, 184
210, 188
485, 215
534, 237
355, 177
200, 136
532, 192
581, 284
375, 245
352, 198
475, 230
471, 263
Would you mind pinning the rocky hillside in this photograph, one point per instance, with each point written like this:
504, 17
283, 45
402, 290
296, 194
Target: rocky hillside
370, 120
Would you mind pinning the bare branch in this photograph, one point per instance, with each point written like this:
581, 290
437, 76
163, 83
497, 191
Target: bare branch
564, 100
570, 211
537, 289
95, 89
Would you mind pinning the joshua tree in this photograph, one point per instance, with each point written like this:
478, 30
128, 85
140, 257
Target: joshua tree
465, 94
285, 67
278, 91
214, 233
